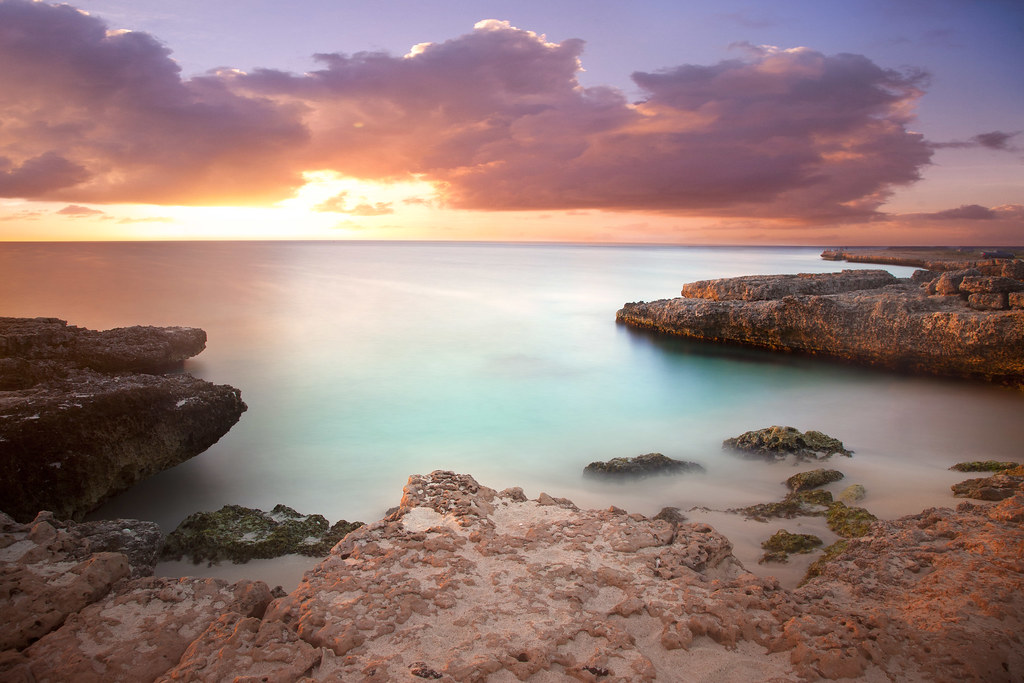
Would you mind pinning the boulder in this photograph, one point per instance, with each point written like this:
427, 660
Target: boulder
853, 493
997, 487
782, 543
642, 466
812, 479
778, 443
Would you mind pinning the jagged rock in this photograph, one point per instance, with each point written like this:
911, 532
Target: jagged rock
813, 479
782, 543
778, 443
988, 284
948, 283
852, 494
642, 466
464, 583
240, 534
74, 436
996, 487
897, 327
763, 287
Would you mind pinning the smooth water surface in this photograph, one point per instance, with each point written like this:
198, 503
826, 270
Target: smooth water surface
363, 363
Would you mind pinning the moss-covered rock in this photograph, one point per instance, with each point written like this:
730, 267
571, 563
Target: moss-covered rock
984, 466
812, 479
642, 466
778, 443
829, 554
851, 522
783, 543
240, 534
798, 503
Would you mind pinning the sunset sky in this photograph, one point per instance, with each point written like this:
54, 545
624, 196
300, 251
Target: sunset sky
704, 122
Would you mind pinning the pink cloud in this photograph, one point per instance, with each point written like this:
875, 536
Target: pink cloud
92, 115
76, 210
495, 118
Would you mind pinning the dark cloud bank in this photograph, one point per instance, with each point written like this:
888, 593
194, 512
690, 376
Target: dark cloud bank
495, 118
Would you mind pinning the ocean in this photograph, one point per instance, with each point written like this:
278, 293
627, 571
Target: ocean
365, 362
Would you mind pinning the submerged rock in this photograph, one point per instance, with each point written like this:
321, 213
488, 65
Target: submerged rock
82, 417
848, 521
782, 543
984, 466
240, 534
642, 466
852, 494
778, 443
799, 503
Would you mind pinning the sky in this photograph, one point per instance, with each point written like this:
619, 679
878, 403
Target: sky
889, 122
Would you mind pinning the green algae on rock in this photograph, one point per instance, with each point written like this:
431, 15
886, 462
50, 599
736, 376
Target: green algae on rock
642, 466
777, 443
848, 521
813, 479
798, 503
830, 553
782, 543
240, 534
984, 466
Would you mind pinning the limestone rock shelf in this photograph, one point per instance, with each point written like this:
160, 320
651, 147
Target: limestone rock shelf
931, 324
86, 414
466, 583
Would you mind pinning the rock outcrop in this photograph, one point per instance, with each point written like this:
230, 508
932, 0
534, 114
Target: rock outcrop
466, 583
648, 464
973, 330
83, 414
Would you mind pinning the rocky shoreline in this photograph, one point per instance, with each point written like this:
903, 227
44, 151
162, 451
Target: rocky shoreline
466, 583
85, 414
962, 324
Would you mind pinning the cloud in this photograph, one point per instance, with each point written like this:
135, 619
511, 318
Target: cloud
97, 115
76, 210
367, 209
335, 204
997, 140
496, 119
971, 211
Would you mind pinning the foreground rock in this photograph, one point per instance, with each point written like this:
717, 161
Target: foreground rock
240, 534
641, 466
466, 583
973, 330
79, 604
82, 418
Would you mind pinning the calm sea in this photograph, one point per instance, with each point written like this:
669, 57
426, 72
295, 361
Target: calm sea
363, 363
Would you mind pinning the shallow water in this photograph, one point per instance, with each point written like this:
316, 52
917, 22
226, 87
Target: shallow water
363, 363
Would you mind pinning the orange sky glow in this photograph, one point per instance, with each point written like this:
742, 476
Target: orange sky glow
489, 135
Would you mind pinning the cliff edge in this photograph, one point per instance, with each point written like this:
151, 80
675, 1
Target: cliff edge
956, 324
86, 414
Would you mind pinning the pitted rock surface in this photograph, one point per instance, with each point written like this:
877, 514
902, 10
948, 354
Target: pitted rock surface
466, 583
898, 326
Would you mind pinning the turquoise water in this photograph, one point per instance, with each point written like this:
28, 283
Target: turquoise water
363, 363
